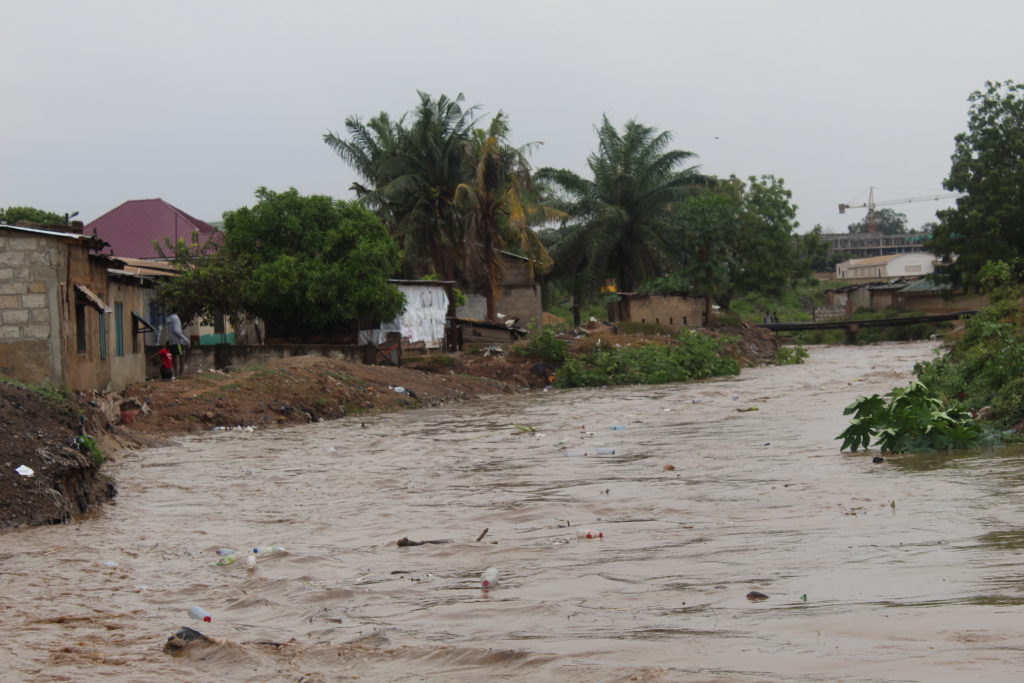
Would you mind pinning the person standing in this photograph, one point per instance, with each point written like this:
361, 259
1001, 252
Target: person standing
166, 361
177, 342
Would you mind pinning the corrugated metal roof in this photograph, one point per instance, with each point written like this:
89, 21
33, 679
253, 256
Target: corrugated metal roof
51, 233
926, 285
871, 261
132, 227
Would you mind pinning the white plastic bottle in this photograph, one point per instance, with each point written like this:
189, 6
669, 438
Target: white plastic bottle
606, 451
489, 579
268, 549
198, 613
250, 561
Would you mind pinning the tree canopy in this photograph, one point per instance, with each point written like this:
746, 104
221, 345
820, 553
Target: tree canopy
450, 192
306, 265
987, 223
734, 238
620, 216
887, 222
13, 214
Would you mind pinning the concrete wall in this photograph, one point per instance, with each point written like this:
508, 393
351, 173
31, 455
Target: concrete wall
935, 304
223, 356
520, 296
31, 268
130, 365
674, 312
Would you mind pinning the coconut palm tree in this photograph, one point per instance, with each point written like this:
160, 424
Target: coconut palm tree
620, 214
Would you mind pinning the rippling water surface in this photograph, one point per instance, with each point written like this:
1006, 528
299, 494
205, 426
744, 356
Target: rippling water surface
912, 569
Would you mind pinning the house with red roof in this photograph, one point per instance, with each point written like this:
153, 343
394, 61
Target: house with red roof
132, 228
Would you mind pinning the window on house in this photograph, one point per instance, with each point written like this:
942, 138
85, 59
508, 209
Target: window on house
103, 337
670, 322
684, 320
118, 328
80, 326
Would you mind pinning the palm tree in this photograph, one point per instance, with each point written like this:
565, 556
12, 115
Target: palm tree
621, 214
412, 171
496, 208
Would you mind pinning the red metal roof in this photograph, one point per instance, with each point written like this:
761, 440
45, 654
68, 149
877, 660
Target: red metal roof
131, 228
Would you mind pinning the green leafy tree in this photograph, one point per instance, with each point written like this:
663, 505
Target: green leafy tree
887, 222
306, 265
988, 167
13, 214
736, 238
620, 215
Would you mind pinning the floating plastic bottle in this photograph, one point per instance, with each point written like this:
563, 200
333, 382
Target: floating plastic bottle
250, 561
605, 451
489, 579
199, 614
226, 551
589, 533
618, 428
226, 560
268, 549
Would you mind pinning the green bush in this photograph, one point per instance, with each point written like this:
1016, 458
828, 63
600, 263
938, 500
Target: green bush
985, 366
546, 347
694, 356
790, 355
87, 445
914, 419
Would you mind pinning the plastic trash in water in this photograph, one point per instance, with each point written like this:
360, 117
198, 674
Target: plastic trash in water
268, 549
199, 614
225, 551
618, 428
589, 533
250, 561
605, 451
110, 563
399, 390
24, 470
226, 560
489, 579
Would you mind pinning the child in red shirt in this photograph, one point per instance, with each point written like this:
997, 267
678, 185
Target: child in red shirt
166, 363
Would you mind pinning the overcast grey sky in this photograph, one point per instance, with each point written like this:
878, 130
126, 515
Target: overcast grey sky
201, 101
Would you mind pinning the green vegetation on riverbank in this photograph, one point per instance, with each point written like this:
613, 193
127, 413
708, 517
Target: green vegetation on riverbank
694, 356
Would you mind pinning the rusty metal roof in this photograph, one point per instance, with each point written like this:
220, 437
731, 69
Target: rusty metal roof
131, 228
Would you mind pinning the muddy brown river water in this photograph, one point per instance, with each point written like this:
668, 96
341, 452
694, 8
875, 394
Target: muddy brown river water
912, 569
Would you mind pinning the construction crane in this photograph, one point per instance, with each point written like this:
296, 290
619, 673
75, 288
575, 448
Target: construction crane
872, 221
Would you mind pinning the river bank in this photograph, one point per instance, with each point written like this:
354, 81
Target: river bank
904, 570
44, 433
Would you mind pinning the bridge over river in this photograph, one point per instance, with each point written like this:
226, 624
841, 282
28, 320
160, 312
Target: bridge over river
851, 326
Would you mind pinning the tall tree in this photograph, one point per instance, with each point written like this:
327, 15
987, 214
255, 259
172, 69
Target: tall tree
496, 206
412, 171
622, 212
734, 238
987, 223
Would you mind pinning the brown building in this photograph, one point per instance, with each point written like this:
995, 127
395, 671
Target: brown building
520, 295
67, 316
673, 312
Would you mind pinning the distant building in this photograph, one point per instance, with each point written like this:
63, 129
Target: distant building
520, 296
916, 264
133, 227
865, 244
